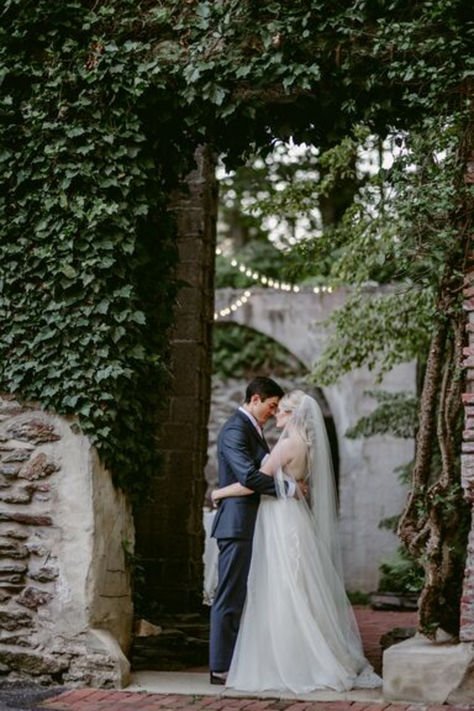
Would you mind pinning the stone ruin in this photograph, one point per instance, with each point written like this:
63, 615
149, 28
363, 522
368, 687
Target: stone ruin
65, 598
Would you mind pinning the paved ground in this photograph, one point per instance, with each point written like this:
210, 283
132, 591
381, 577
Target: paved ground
24, 696
373, 625
89, 700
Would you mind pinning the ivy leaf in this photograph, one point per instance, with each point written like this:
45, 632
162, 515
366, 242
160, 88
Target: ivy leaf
68, 271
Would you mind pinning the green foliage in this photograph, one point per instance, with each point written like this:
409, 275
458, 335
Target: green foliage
376, 331
401, 574
87, 249
251, 234
102, 106
396, 414
402, 226
358, 598
240, 353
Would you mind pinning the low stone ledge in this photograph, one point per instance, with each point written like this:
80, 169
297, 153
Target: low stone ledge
421, 671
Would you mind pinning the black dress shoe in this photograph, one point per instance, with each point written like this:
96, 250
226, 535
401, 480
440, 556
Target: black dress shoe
217, 679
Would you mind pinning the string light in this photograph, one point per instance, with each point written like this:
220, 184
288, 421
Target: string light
234, 306
268, 281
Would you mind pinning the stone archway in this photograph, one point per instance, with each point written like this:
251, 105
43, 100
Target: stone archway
369, 491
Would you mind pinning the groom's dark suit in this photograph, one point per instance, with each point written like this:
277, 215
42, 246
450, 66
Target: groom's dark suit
240, 450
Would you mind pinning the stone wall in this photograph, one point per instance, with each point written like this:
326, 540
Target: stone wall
467, 461
65, 599
169, 527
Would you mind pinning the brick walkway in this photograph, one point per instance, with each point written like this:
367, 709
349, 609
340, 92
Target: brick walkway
91, 700
372, 624
375, 623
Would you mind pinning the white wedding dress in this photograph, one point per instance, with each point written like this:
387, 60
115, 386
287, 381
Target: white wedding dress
297, 631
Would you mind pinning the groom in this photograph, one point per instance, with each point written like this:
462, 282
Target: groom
240, 449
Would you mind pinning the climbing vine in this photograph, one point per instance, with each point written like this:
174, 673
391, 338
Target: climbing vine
102, 106
87, 248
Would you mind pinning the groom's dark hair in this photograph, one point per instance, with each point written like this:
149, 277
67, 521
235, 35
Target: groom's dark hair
265, 387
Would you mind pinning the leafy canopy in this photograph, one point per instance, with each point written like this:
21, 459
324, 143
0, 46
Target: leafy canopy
102, 106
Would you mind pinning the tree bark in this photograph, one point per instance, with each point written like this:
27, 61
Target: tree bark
433, 525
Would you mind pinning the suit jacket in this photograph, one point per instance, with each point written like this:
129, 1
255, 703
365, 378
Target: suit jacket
240, 450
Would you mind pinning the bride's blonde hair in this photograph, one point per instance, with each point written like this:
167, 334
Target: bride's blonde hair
291, 400
290, 403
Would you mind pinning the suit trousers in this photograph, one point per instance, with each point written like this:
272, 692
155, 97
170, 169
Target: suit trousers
233, 569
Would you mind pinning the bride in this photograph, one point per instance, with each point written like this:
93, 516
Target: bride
297, 631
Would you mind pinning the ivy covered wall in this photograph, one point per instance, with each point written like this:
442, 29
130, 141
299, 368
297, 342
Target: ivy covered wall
101, 108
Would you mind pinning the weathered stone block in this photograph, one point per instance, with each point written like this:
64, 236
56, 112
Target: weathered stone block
32, 662
14, 619
29, 519
12, 549
25, 638
9, 567
15, 497
17, 455
46, 574
11, 409
10, 470
43, 486
12, 588
38, 468
38, 548
33, 430
12, 579
419, 670
15, 532
34, 597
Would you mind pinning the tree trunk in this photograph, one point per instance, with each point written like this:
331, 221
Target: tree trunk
434, 523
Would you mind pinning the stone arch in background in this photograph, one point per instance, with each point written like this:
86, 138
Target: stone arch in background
369, 491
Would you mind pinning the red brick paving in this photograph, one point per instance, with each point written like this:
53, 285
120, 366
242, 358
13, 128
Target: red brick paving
375, 623
372, 624
118, 701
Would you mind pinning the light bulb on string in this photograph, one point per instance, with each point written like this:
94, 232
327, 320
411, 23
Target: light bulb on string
270, 282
